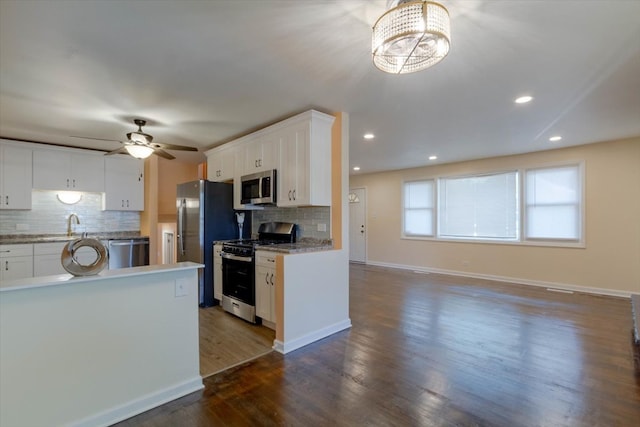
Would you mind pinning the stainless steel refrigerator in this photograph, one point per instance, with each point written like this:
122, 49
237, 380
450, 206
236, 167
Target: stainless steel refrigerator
205, 215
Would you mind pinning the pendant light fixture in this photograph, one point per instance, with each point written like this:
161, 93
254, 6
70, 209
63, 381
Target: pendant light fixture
411, 36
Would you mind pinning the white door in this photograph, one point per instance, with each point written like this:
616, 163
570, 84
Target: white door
357, 225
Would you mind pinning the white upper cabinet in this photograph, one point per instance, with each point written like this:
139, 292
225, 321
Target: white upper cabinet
299, 148
15, 177
304, 172
63, 169
221, 164
226, 163
124, 184
261, 154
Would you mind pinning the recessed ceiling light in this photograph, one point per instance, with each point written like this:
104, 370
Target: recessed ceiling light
555, 138
523, 99
433, 157
356, 168
369, 136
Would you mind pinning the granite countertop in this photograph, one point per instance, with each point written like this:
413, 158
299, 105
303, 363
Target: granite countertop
50, 238
303, 245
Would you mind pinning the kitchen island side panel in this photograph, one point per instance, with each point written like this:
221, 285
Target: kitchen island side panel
97, 350
312, 297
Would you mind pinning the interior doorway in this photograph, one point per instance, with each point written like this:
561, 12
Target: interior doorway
357, 225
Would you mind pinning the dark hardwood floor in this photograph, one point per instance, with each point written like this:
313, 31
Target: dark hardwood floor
436, 350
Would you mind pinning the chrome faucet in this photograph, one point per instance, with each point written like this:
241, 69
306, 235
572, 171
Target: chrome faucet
69, 230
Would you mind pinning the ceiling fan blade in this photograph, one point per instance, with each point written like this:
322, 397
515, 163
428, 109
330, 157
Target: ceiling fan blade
120, 150
160, 152
97, 139
173, 147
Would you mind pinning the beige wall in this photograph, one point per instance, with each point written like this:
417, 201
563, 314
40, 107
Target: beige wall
610, 262
161, 178
172, 173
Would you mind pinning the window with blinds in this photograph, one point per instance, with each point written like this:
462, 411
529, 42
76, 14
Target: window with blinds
553, 203
479, 207
489, 207
419, 202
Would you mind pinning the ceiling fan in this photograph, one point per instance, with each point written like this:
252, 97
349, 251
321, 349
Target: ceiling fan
140, 145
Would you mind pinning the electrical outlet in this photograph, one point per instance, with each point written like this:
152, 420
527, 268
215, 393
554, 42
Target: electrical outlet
181, 288
322, 227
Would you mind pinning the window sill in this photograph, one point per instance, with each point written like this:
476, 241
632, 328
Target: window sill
536, 243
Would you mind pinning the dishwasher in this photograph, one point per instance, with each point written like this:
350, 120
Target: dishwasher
131, 252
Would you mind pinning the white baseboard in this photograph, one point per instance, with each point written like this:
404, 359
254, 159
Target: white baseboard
291, 345
141, 404
539, 283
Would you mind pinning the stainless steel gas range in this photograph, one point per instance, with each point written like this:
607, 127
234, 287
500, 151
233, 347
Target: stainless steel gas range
238, 268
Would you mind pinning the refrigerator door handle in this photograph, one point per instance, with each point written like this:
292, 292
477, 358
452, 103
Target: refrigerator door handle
183, 202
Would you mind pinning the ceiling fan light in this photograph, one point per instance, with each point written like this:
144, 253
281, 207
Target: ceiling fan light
411, 36
139, 151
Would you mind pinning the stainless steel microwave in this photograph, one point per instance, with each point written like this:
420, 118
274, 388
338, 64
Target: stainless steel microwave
259, 188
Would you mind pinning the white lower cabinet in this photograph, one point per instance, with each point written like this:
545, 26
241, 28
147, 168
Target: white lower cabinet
47, 258
265, 280
16, 261
217, 272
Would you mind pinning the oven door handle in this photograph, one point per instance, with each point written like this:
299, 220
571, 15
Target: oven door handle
236, 257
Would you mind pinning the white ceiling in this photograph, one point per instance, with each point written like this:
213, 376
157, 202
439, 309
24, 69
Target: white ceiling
202, 72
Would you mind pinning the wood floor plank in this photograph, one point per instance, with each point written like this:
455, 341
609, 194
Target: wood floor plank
226, 340
437, 350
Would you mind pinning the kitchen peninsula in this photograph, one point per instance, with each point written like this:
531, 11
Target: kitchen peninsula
97, 349
94, 350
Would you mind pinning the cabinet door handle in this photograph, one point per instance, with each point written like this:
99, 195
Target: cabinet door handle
6, 200
6, 266
255, 163
266, 278
294, 194
67, 182
122, 205
289, 194
271, 279
127, 203
74, 183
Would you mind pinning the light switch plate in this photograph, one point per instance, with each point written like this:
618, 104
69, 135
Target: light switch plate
181, 287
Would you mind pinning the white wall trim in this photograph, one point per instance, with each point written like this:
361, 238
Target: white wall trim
289, 346
142, 404
539, 283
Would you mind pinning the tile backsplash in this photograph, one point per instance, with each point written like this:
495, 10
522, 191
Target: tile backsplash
49, 216
306, 218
